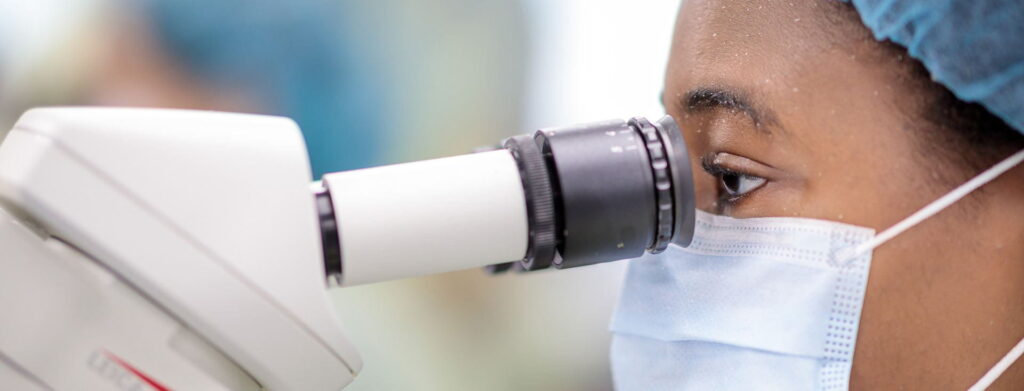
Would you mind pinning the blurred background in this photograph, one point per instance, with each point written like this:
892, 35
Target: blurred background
377, 82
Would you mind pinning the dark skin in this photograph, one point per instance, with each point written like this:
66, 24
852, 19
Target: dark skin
790, 108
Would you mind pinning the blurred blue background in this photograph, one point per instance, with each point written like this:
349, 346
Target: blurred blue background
378, 82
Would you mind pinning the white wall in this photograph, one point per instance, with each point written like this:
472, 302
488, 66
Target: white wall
597, 59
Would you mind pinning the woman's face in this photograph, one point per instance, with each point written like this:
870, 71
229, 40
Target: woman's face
790, 108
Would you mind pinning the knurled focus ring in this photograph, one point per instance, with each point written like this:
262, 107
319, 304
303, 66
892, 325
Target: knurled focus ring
540, 206
662, 183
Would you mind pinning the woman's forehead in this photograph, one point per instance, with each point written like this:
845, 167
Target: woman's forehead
784, 56
769, 36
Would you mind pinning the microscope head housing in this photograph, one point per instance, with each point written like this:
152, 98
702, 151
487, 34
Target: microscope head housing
207, 216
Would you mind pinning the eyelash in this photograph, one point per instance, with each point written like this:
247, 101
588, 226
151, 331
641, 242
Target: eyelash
721, 172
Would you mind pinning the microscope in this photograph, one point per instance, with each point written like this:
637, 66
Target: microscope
150, 249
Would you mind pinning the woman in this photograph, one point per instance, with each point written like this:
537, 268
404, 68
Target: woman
793, 109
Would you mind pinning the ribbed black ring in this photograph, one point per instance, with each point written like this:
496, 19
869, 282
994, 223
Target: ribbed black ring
540, 208
329, 237
662, 183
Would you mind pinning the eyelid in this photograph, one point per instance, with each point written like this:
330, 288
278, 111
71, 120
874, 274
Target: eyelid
714, 169
717, 163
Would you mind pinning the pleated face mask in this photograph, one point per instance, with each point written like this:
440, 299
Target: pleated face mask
754, 304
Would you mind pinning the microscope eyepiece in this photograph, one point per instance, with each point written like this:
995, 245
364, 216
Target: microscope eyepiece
562, 197
617, 189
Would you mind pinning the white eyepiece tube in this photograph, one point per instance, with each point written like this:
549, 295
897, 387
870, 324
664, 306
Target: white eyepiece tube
559, 197
429, 216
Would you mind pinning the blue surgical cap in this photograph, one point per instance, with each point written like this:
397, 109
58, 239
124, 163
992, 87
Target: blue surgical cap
973, 47
294, 57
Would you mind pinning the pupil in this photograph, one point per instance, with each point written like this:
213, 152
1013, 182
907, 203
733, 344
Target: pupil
731, 183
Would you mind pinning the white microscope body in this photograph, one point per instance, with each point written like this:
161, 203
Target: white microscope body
162, 249
145, 249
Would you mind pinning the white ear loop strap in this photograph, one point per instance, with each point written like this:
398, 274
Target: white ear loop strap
936, 207
999, 368
940, 204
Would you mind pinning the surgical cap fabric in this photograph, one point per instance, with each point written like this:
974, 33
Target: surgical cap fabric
973, 47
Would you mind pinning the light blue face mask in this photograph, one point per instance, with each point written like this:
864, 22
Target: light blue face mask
756, 304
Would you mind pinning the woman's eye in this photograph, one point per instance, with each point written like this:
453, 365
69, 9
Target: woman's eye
733, 183
737, 185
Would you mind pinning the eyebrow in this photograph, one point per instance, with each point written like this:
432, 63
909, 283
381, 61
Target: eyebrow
705, 99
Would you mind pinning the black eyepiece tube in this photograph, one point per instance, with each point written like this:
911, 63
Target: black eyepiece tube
604, 191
